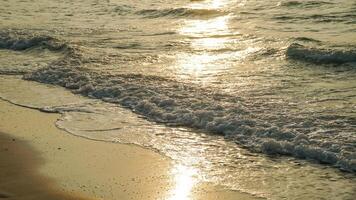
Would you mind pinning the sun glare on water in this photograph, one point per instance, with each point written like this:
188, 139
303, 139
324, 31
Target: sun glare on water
206, 28
204, 35
185, 180
210, 4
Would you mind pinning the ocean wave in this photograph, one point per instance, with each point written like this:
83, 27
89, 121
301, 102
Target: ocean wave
180, 12
304, 4
341, 17
175, 103
319, 55
19, 41
306, 39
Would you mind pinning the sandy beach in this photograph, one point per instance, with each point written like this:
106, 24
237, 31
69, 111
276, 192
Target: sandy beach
39, 161
19, 176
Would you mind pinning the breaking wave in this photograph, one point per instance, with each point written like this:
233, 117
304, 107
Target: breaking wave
178, 104
320, 56
19, 42
306, 39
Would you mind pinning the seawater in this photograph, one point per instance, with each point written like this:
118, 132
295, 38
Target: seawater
223, 86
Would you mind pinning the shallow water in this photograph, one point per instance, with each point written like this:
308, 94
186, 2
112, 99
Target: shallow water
276, 77
199, 157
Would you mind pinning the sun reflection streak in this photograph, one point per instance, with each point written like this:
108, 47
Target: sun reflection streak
210, 4
195, 63
206, 35
203, 28
185, 179
209, 43
209, 39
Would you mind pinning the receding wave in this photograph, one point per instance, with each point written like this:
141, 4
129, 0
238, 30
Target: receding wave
179, 104
320, 56
19, 42
180, 12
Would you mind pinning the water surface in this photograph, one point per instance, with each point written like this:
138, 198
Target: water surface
217, 85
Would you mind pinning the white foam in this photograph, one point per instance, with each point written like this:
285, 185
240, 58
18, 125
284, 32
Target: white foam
195, 108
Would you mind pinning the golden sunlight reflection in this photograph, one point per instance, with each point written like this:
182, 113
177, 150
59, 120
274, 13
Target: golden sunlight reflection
201, 64
209, 43
210, 4
193, 64
185, 179
212, 43
203, 28
205, 35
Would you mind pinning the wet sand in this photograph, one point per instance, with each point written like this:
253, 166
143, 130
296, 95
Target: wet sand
39, 161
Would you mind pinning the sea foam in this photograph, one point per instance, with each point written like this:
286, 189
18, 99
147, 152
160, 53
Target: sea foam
19, 42
175, 103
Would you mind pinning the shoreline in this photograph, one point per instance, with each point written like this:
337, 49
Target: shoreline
73, 167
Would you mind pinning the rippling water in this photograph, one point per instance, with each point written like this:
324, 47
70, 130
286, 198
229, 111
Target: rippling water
212, 84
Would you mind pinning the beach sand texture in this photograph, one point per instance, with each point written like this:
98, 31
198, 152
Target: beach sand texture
39, 161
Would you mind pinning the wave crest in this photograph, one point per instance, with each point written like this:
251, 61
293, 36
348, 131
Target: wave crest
320, 56
19, 42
